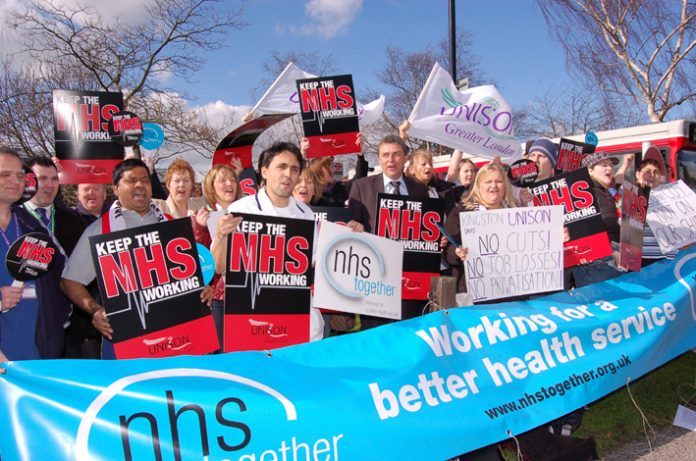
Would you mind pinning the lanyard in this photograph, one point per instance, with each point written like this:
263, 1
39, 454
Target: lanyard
4, 235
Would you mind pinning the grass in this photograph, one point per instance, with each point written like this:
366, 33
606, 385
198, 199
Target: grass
614, 420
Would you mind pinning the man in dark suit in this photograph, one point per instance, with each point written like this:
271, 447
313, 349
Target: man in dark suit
363, 202
65, 226
363, 194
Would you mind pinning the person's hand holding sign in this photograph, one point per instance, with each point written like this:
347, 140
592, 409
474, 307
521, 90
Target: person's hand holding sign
461, 253
11, 295
227, 225
100, 321
3, 358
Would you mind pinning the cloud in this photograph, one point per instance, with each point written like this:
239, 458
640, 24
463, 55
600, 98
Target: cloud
328, 17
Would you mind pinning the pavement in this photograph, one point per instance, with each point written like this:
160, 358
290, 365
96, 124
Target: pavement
669, 443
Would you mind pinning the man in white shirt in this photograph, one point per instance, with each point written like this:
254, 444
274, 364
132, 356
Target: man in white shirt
281, 165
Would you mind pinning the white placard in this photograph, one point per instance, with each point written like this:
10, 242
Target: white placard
672, 215
358, 272
213, 221
513, 251
685, 418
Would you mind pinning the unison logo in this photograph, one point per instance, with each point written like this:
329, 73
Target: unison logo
485, 112
188, 415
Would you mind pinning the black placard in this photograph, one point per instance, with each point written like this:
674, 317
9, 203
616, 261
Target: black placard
413, 221
82, 139
150, 283
585, 237
31, 256
267, 283
329, 114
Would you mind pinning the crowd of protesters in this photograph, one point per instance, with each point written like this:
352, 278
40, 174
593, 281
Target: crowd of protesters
60, 315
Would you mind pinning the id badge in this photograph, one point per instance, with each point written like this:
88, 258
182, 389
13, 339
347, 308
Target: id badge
29, 290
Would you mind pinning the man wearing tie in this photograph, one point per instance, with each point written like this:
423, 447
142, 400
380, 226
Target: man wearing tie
65, 226
363, 202
363, 194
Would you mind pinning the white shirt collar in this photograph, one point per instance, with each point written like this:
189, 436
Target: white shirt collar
387, 185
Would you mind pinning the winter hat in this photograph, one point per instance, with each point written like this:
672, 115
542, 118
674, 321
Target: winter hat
593, 159
546, 147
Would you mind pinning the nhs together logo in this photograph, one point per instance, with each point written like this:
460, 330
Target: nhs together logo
354, 267
180, 413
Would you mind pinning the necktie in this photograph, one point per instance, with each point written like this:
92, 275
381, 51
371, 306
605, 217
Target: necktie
396, 185
44, 217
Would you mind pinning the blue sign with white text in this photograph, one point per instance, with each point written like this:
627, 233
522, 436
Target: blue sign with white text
463, 377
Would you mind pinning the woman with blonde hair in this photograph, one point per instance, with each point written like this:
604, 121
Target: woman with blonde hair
491, 191
420, 168
220, 189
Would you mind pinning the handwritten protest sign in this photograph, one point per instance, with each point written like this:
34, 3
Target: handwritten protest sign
672, 215
358, 272
329, 115
413, 222
513, 251
584, 235
150, 281
82, 141
267, 294
634, 205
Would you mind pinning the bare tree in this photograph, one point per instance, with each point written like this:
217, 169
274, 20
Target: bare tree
189, 131
405, 72
75, 47
637, 49
563, 112
124, 55
26, 111
310, 61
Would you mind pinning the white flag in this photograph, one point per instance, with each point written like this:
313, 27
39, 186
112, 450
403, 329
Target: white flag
477, 121
282, 98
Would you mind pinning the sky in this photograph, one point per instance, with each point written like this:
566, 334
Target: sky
510, 37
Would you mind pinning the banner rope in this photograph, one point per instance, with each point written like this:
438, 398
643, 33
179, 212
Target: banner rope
517, 445
689, 402
645, 420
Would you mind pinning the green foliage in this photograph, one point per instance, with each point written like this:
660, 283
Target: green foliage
615, 421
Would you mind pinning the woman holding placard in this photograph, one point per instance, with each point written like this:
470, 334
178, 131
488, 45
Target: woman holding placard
220, 190
491, 191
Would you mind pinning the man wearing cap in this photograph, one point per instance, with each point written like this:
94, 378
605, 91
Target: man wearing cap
32, 314
545, 154
601, 165
650, 172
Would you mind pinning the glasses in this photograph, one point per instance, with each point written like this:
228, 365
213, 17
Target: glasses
19, 176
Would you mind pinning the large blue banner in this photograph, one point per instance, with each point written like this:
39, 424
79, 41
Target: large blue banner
427, 388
